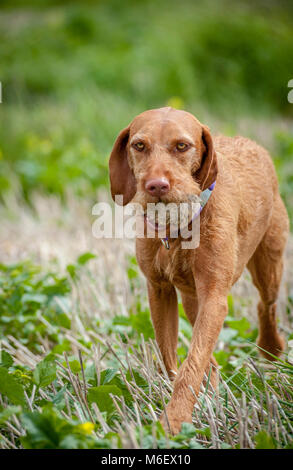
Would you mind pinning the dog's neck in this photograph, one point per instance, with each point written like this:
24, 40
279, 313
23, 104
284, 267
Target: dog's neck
203, 199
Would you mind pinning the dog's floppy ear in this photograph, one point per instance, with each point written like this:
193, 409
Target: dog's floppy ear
121, 176
208, 170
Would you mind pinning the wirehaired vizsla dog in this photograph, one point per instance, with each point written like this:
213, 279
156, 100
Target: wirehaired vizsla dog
167, 155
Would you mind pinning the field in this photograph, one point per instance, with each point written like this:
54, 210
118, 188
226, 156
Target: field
79, 363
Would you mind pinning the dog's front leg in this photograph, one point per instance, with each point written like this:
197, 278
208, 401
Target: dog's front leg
164, 313
208, 324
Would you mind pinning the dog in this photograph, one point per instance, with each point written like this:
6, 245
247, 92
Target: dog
165, 155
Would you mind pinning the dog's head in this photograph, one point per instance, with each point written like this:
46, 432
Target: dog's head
163, 155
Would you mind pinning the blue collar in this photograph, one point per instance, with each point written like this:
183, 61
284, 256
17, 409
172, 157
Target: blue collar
203, 199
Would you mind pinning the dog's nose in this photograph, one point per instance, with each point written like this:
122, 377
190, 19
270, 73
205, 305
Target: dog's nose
157, 187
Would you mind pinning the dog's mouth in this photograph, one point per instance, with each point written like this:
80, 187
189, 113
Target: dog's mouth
172, 216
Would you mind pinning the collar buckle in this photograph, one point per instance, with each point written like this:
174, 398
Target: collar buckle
165, 242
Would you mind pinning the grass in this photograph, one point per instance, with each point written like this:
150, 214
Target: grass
83, 373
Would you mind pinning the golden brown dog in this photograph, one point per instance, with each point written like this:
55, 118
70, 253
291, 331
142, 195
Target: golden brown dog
166, 155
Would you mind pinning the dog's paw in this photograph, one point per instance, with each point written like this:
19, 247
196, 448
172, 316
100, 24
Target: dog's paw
172, 421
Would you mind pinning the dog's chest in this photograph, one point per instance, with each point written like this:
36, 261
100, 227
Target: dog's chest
175, 265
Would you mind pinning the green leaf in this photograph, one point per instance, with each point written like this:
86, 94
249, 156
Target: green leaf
49, 430
263, 440
83, 259
59, 399
137, 377
71, 269
37, 298
91, 374
61, 347
74, 364
45, 372
204, 432
41, 431
6, 413
241, 326
222, 357
227, 334
188, 430
107, 375
11, 388
185, 327
5, 359
193, 444
230, 301
225, 445
141, 323
101, 396
131, 273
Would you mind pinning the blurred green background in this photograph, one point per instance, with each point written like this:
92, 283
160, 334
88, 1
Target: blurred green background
74, 73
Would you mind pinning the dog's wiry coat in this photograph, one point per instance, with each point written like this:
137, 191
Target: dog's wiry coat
245, 223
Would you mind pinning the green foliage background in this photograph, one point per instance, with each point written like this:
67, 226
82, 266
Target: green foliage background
74, 73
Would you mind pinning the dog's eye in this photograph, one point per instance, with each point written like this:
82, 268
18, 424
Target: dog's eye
139, 146
181, 146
